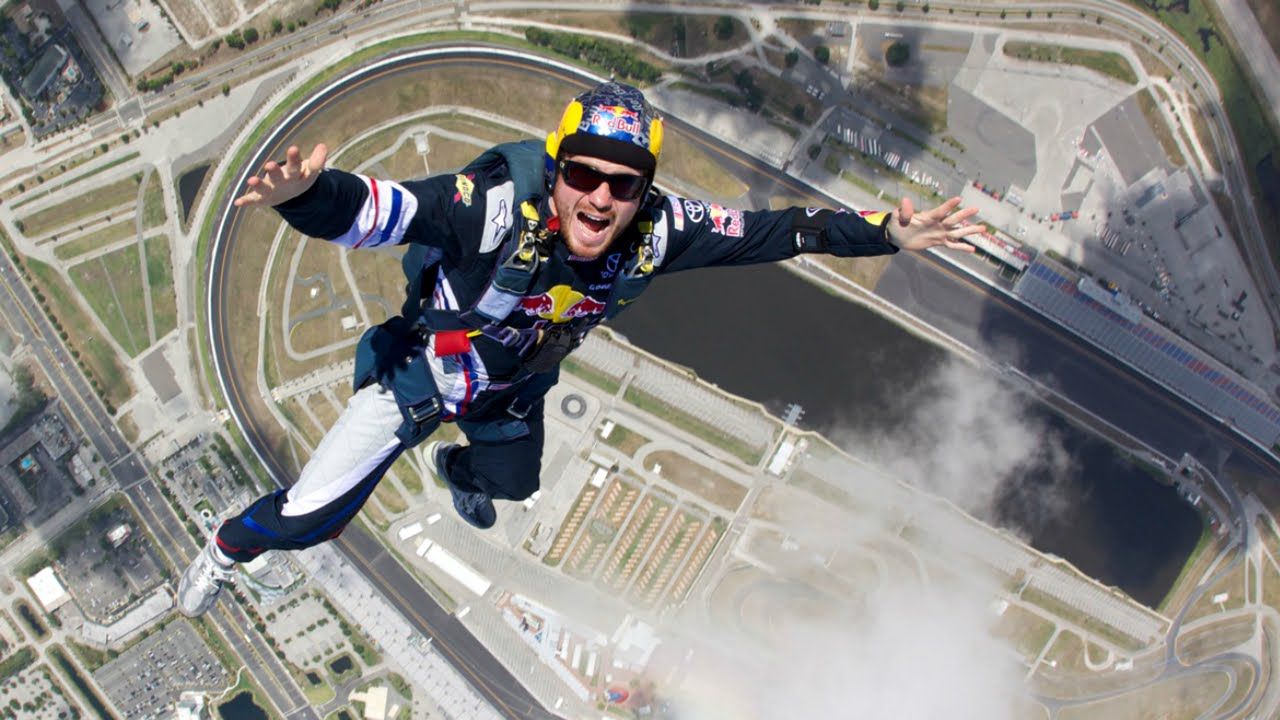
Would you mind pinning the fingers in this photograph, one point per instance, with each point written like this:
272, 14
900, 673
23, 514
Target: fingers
958, 218
905, 212
319, 154
963, 231
944, 209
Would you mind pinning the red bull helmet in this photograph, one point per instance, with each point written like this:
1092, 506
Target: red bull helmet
611, 121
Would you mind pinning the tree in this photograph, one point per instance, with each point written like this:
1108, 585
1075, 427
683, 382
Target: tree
792, 58
724, 27
898, 54
277, 26
226, 89
822, 54
873, 4
250, 35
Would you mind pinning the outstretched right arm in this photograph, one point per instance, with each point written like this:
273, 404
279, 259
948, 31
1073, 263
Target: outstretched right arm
351, 210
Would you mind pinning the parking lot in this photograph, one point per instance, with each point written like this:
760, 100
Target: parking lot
146, 680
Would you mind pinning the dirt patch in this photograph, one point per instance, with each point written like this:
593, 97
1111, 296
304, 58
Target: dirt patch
186, 13
692, 477
223, 12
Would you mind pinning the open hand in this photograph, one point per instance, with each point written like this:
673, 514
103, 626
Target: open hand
943, 225
281, 182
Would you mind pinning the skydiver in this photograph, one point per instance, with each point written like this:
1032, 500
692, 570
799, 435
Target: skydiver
510, 262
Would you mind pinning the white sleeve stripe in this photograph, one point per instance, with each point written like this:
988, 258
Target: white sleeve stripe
384, 218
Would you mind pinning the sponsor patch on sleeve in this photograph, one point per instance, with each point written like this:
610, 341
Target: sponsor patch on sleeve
677, 214
465, 187
725, 221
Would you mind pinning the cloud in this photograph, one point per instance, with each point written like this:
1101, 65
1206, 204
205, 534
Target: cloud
890, 645
975, 441
907, 652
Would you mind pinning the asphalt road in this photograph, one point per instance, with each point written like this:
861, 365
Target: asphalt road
130, 473
230, 619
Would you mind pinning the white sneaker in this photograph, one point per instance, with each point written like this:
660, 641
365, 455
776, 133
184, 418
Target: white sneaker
201, 582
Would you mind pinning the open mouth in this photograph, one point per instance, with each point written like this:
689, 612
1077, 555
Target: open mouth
594, 223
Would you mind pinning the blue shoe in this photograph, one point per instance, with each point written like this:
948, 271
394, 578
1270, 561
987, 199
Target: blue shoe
474, 507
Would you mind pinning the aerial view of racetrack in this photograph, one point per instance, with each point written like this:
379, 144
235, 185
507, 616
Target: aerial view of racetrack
1038, 478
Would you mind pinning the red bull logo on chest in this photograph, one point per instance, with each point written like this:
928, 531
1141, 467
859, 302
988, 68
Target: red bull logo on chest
615, 121
561, 304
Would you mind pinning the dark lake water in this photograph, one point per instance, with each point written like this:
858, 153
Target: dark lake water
241, 707
188, 186
765, 334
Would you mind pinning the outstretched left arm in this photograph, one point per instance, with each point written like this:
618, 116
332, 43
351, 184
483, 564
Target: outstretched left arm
943, 225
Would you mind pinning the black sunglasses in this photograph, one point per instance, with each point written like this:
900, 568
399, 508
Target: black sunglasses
585, 178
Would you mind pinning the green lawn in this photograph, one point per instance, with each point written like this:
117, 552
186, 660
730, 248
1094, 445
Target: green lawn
112, 233
112, 285
104, 368
164, 303
83, 205
153, 203
1108, 63
733, 445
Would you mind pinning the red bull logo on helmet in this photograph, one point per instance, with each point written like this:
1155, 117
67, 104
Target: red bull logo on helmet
560, 304
615, 121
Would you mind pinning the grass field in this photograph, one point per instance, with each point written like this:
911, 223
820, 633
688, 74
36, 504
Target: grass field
1160, 128
390, 498
625, 440
596, 377
112, 285
1233, 584
153, 214
1111, 64
1184, 698
735, 446
692, 477
49, 186
98, 239
105, 370
1026, 632
164, 303
42, 222
481, 129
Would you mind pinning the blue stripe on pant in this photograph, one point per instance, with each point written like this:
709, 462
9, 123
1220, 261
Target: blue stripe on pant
264, 527
503, 459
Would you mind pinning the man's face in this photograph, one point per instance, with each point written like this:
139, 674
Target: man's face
591, 216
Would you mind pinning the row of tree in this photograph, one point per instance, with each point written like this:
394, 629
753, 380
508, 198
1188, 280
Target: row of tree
614, 56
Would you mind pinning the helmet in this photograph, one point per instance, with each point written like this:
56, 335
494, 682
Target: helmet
611, 121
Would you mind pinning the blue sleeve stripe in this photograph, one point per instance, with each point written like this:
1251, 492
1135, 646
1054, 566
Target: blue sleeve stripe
393, 218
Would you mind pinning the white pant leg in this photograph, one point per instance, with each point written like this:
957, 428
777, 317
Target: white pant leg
363, 436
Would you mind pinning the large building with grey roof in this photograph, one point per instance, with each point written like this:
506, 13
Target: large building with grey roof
1116, 325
